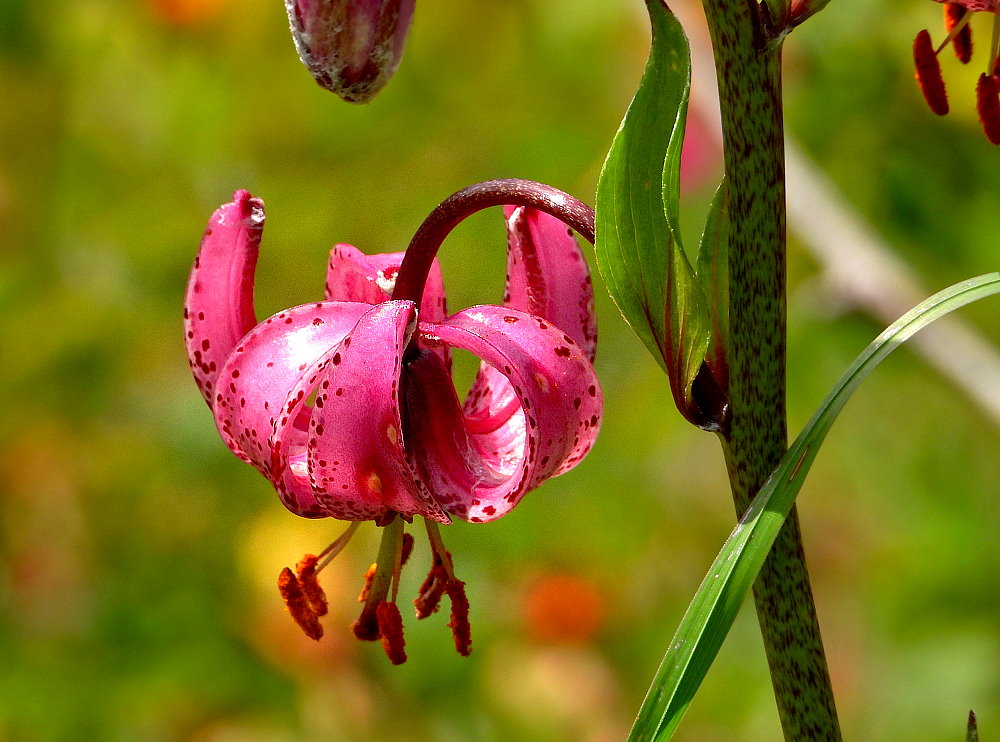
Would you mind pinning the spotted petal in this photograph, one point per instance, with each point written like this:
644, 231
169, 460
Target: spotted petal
353, 276
356, 457
481, 476
547, 276
255, 381
218, 305
976, 6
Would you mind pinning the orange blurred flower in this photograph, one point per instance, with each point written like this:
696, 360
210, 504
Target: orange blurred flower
563, 607
185, 12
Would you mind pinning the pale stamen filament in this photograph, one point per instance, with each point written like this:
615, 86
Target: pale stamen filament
437, 544
326, 556
957, 30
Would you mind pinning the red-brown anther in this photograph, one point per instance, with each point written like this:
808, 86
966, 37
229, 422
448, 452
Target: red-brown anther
988, 106
298, 604
459, 624
429, 597
306, 571
407, 549
369, 576
954, 14
928, 73
390, 625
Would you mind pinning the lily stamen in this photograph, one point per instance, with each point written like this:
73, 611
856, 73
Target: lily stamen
326, 556
957, 16
956, 21
299, 605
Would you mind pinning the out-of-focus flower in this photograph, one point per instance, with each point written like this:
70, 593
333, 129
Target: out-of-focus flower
701, 155
186, 12
351, 47
347, 406
957, 15
563, 608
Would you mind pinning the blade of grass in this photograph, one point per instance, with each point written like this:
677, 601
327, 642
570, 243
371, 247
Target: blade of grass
714, 607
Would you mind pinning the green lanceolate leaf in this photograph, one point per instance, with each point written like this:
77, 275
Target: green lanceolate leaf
714, 607
638, 245
713, 272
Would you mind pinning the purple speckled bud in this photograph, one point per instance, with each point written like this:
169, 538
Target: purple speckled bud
351, 47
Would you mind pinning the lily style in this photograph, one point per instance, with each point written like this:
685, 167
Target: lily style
957, 15
347, 404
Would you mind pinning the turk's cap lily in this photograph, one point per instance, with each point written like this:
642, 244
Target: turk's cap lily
347, 404
351, 47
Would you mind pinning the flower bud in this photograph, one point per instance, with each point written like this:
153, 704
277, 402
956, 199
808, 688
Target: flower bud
351, 47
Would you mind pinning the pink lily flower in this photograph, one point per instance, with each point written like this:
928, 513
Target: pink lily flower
346, 405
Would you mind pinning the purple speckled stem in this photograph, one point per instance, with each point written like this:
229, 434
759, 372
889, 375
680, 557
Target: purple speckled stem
748, 64
450, 212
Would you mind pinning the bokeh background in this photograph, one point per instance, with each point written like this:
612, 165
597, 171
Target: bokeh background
138, 557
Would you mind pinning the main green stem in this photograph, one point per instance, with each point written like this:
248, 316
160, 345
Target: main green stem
748, 64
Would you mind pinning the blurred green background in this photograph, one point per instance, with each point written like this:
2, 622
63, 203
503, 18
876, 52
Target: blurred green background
138, 557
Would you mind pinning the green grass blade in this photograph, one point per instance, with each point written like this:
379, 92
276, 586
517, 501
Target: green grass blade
714, 607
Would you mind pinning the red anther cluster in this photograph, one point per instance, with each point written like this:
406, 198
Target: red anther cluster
431, 590
306, 572
442, 581
459, 623
928, 69
305, 613
954, 14
390, 626
928, 73
988, 105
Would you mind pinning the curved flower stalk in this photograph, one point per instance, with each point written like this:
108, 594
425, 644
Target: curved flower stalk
346, 405
957, 15
351, 47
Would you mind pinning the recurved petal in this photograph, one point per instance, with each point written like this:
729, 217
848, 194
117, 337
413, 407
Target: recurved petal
255, 381
976, 6
547, 275
353, 276
356, 457
480, 475
218, 305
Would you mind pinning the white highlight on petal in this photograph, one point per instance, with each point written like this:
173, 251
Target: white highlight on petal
388, 285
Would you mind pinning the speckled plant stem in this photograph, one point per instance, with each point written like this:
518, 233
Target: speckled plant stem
748, 62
